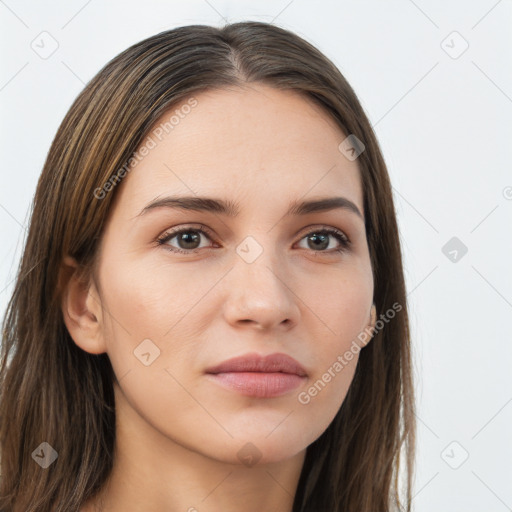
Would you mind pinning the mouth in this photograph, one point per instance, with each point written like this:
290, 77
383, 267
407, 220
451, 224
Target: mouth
259, 376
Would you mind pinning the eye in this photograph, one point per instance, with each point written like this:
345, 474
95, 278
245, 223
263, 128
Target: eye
319, 239
188, 239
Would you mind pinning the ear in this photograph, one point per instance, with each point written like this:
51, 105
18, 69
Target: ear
373, 318
368, 332
81, 308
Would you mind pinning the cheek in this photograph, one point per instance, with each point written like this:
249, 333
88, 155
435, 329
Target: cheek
341, 303
345, 306
149, 299
154, 309
341, 315
345, 315
319, 401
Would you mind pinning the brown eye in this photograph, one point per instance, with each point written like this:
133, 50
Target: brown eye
187, 240
319, 240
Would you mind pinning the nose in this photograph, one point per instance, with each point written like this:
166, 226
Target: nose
260, 294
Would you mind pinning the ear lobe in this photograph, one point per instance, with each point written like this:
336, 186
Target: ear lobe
81, 308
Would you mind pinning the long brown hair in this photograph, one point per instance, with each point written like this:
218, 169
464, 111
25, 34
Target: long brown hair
54, 392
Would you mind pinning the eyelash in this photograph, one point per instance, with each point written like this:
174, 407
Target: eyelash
169, 235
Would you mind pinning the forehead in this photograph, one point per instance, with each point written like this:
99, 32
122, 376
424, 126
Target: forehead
255, 142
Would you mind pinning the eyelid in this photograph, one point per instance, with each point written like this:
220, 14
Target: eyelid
323, 227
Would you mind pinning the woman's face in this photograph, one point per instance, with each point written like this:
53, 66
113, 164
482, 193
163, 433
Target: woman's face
249, 279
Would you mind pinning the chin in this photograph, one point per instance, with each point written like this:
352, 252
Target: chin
261, 449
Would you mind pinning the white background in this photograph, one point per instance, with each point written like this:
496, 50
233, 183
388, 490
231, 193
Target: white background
445, 127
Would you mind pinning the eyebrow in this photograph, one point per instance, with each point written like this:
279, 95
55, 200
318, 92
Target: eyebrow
231, 209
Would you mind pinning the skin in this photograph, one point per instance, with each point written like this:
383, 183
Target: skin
178, 433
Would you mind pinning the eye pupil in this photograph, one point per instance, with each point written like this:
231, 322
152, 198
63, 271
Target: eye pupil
322, 238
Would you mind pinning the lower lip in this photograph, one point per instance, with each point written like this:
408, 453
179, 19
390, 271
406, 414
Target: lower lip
258, 384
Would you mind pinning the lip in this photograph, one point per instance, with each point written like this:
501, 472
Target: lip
273, 363
259, 376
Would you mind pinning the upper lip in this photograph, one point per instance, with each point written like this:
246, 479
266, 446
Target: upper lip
272, 363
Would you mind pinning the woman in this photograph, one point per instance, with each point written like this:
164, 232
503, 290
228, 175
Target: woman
210, 311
